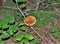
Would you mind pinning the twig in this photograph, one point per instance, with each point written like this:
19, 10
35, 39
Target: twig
37, 5
36, 33
46, 7
50, 5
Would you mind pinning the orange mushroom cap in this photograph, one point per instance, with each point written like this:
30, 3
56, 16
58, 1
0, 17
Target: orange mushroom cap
30, 20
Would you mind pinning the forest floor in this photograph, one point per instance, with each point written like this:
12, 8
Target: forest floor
42, 6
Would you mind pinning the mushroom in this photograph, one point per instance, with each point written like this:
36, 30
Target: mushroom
30, 20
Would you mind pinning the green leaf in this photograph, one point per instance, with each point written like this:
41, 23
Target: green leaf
23, 5
10, 31
3, 24
56, 35
29, 36
1, 31
23, 28
5, 35
24, 41
54, 29
19, 37
10, 19
21, 23
45, 22
15, 40
2, 42
13, 27
51, 20
20, 0
36, 41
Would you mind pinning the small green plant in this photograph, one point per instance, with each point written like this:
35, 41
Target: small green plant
53, 29
23, 28
5, 35
25, 39
9, 20
56, 35
23, 5
7, 27
12, 29
36, 41
54, 32
18, 37
21, 36
21, 25
29, 36
1, 31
